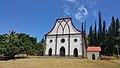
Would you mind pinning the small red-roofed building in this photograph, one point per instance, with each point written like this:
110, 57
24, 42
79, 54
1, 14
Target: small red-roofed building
93, 52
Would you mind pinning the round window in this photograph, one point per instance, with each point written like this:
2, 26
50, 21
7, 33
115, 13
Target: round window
51, 41
75, 40
62, 40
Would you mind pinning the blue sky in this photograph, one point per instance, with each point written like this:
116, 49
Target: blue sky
37, 17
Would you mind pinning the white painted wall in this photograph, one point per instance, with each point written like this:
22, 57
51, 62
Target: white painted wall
65, 44
89, 55
73, 44
77, 44
50, 45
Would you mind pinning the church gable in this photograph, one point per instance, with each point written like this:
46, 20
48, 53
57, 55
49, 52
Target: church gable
64, 26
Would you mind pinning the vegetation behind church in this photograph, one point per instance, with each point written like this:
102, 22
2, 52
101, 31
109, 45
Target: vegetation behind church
107, 38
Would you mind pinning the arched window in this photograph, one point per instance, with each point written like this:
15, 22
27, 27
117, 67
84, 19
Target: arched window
62, 51
75, 52
50, 52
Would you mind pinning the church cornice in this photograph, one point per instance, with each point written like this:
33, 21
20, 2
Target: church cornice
64, 34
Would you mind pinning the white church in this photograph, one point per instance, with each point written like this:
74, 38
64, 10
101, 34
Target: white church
65, 40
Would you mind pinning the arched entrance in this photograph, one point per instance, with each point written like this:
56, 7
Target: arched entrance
93, 56
75, 52
62, 51
50, 52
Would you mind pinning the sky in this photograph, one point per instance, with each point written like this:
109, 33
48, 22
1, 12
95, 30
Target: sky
37, 17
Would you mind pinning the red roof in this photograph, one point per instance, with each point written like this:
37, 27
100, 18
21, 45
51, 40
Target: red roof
94, 49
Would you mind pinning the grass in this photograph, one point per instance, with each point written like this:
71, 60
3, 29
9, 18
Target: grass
58, 63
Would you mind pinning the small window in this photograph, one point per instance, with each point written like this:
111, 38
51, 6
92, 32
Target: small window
51, 41
62, 40
75, 40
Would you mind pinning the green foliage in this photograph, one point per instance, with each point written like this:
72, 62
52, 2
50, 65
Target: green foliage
19, 43
95, 43
100, 29
107, 39
117, 27
91, 36
40, 48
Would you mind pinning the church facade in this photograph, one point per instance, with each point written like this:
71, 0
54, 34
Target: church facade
64, 40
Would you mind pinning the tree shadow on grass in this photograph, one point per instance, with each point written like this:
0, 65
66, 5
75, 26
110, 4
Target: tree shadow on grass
13, 58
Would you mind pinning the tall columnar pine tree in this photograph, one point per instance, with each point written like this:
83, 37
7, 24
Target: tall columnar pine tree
113, 29
117, 27
113, 33
117, 41
95, 35
103, 42
82, 29
91, 36
111, 38
100, 29
104, 27
104, 30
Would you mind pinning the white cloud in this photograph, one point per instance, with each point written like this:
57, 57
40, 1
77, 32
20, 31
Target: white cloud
78, 16
78, 8
66, 10
81, 14
72, 1
83, 10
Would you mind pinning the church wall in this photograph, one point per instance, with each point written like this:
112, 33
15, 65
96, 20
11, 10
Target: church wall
50, 44
73, 44
65, 44
77, 44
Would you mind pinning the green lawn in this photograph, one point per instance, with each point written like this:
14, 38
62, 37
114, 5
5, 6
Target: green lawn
58, 63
